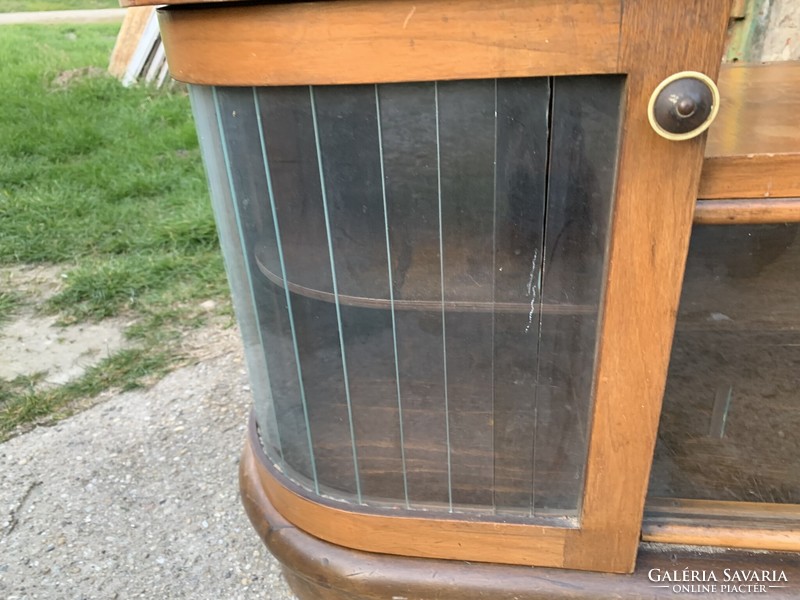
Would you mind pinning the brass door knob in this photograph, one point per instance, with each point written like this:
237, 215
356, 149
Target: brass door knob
683, 105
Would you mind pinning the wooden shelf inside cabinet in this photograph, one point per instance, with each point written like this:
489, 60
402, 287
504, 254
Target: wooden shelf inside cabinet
426, 297
753, 148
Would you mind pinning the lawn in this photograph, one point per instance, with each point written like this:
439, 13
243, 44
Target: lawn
7, 6
108, 182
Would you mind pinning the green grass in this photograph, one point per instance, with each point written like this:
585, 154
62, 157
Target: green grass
9, 301
109, 181
7, 6
129, 369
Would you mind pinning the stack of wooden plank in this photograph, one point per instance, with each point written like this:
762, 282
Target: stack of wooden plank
138, 54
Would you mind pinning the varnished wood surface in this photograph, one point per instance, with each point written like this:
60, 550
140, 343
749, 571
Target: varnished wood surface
652, 218
318, 570
352, 527
750, 512
651, 225
363, 41
751, 525
753, 148
736, 212
725, 536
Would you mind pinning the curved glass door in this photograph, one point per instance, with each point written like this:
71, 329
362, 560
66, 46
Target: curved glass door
423, 266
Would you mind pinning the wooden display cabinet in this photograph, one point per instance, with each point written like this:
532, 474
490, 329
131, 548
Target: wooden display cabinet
456, 236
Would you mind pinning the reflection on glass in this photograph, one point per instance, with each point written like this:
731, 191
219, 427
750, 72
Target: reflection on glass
730, 426
426, 262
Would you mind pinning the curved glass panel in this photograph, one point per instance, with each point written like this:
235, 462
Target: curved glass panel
423, 266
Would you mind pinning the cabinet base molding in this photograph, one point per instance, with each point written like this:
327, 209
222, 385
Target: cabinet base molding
319, 570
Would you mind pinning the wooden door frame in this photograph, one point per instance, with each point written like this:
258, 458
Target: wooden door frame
657, 182
651, 227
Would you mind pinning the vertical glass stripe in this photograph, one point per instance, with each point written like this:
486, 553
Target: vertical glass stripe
286, 289
335, 293
227, 162
494, 280
211, 146
391, 300
537, 285
441, 279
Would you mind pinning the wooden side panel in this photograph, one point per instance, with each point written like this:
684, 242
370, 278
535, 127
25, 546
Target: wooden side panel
651, 226
363, 41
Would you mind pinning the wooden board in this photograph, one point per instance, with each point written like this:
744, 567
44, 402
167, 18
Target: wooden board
462, 539
737, 212
753, 148
363, 41
651, 224
130, 33
754, 525
317, 570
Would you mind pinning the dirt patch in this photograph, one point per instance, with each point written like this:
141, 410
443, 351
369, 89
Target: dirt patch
36, 282
34, 343
67, 78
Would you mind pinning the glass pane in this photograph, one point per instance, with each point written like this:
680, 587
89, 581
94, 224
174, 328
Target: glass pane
252, 211
347, 127
425, 263
203, 106
579, 200
409, 158
522, 137
730, 426
303, 267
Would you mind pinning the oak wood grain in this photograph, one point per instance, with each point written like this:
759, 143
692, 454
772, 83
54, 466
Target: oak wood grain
753, 148
651, 224
353, 527
750, 512
726, 536
362, 41
316, 569
737, 212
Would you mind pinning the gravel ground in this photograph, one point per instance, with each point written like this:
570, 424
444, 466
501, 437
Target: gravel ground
137, 497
